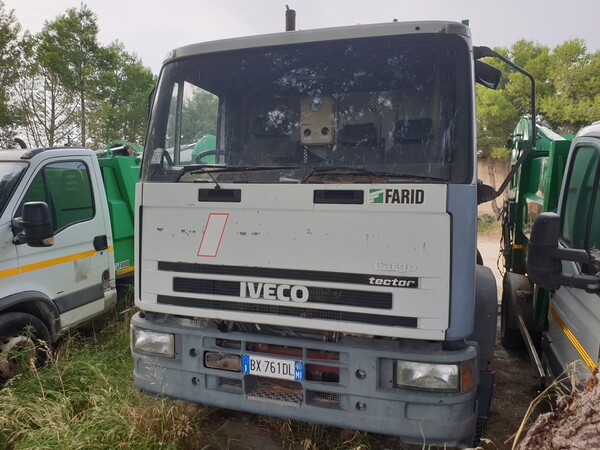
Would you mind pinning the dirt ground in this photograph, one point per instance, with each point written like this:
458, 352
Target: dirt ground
516, 384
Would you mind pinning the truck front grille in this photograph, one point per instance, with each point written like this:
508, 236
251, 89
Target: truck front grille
275, 391
365, 299
231, 384
290, 311
275, 273
326, 399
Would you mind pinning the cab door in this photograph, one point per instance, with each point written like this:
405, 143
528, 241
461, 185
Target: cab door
70, 272
574, 317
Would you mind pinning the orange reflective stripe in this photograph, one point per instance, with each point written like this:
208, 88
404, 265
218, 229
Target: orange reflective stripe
584, 355
9, 272
56, 261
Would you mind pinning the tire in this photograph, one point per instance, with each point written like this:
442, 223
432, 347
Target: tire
510, 335
24, 344
479, 259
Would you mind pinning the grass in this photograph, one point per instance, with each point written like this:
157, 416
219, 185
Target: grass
86, 399
487, 224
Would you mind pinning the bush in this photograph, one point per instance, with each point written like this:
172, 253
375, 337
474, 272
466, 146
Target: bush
487, 223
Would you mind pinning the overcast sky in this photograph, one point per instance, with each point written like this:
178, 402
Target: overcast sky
150, 28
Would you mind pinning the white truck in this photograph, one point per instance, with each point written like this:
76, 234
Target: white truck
57, 268
322, 266
564, 258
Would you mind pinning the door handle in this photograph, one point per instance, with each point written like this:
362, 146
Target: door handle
100, 243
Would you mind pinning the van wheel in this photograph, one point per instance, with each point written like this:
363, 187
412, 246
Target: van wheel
24, 344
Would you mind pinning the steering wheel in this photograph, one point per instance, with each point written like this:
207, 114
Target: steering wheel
165, 155
206, 153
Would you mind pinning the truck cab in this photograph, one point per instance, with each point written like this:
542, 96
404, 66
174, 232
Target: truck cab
319, 263
564, 258
56, 249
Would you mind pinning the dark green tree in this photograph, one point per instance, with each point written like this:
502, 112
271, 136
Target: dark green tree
199, 116
51, 111
535, 59
498, 111
125, 85
10, 62
568, 92
575, 78
69, 49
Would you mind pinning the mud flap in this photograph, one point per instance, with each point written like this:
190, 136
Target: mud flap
486, 317
486, 312
485, 390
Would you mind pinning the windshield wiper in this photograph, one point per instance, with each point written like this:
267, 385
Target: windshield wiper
210, 169
360, 171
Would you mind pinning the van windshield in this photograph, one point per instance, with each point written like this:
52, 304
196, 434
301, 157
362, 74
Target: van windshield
10, 173
381, 109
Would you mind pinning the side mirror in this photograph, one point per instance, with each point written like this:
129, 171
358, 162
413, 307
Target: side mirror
34, 227
487, 75
544, 258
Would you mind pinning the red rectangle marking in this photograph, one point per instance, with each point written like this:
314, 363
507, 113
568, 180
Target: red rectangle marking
213, 234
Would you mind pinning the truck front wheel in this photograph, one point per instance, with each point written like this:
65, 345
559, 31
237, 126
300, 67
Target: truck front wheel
24, 344
510, 335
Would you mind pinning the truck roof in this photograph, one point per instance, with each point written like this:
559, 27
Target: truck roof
28, 153
321, 34
592, 130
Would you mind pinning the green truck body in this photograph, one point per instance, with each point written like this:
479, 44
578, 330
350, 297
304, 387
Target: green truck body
534, 189
120, 172
532, 313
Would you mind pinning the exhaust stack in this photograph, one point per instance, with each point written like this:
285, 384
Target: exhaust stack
290, 19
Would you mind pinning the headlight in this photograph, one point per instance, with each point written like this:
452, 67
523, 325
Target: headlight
417, 375
161, 344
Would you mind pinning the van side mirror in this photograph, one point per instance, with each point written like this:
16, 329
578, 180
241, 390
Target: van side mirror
544, 258
34, 227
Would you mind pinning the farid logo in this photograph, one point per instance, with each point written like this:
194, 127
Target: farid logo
399, 196
376, 195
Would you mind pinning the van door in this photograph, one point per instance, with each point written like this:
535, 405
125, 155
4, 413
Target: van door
574, 317
72, 270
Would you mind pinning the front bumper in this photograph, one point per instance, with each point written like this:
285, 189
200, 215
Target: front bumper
361, 397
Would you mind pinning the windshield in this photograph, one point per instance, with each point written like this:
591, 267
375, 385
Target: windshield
10, 173
383, 109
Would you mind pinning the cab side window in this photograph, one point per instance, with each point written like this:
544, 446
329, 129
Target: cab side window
594, 240
66, 188
192, 124
581, 208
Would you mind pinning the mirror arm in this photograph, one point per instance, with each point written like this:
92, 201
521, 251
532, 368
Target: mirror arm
483, 52
567, 254
589, 283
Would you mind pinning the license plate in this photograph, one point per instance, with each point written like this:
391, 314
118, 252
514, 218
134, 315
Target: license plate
283, 369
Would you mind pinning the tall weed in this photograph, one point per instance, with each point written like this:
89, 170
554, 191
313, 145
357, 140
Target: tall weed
86, 400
